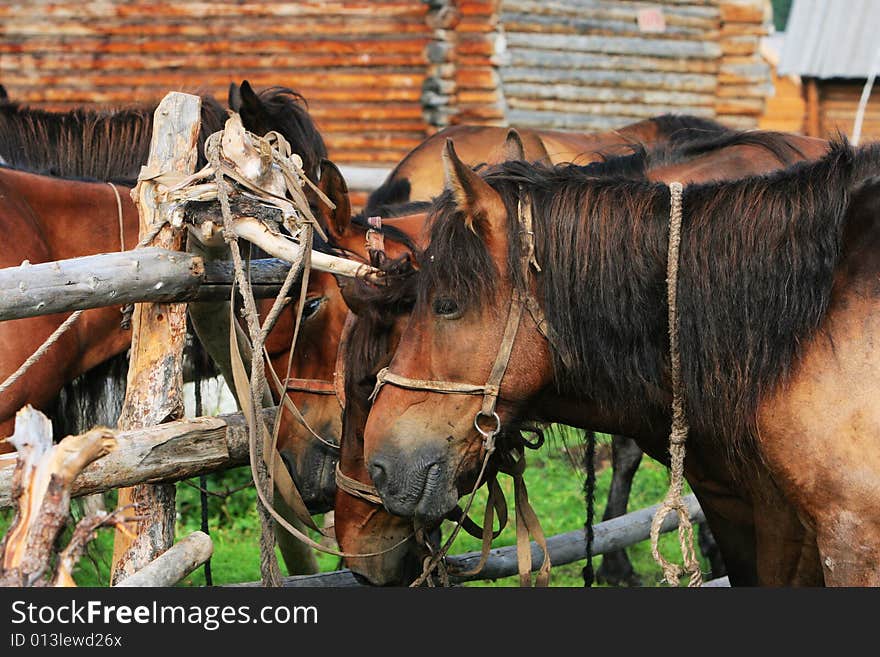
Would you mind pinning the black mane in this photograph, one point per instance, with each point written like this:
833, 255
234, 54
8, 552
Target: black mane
757, 261
86, 143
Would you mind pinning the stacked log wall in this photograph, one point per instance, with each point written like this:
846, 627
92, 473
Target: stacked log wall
579, 65
360, 65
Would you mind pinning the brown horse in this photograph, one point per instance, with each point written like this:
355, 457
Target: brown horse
42, 215
756, 152
419, 178
45, 216
414, 182
762, 301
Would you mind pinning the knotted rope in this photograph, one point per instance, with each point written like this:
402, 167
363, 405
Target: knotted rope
679, 432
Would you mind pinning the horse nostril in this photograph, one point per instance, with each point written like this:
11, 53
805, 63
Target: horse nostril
378, 472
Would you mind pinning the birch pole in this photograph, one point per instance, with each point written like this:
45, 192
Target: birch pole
155, 377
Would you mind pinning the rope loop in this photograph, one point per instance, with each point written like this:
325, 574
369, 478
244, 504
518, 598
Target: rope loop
679, 430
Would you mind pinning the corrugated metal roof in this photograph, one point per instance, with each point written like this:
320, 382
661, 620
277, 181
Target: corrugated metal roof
831, 38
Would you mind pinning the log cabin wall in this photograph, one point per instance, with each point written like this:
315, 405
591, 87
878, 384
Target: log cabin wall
380, 75
360, 65
596, 65
838, 101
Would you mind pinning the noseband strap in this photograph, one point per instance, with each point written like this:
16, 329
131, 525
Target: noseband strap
314, 386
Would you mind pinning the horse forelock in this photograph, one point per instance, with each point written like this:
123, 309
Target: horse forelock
757, 265
288, 115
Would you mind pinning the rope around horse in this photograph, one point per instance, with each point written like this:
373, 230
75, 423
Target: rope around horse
679, 432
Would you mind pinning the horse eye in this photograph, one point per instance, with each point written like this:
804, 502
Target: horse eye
447, 308
310, 307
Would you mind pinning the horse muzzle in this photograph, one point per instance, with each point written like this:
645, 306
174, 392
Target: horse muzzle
417, 483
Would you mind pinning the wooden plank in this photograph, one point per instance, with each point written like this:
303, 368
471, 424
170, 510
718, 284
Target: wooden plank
154, 391
174, 564
706, 18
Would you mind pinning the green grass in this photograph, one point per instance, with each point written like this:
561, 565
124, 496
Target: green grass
555, 490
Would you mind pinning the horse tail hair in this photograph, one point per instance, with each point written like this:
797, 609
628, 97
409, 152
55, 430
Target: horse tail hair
589, 465
92, 399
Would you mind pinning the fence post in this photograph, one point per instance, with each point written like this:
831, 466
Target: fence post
155, 375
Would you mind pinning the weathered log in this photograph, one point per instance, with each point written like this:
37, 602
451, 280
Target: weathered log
144, 275
41, 483
690, 82
174, 564
608, 536
154, 393
94, 281
554, 59
582, 93
656, 47
165, 453
198, 12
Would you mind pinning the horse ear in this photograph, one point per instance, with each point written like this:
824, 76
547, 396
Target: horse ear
234, 101
254, 115
513, 148
472, 194
3, 95
333, 185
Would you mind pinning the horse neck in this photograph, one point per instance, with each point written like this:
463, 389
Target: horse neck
608, 313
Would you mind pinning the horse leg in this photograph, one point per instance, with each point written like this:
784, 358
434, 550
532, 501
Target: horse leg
616, 568
710, 550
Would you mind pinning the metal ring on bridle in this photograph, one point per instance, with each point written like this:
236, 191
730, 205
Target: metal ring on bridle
487, 435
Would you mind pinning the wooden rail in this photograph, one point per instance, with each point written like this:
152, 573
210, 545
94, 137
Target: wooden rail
609, 535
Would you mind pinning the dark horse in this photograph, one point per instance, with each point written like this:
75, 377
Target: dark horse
381, 312
45, 216
779, 311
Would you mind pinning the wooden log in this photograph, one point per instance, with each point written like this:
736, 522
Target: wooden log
196, 31
571, 92
516, 22
555, 59
200, 11
40, 486
608, 536
619, 110
102, 280
654, 47
154, 392
702, 17
166, 453
174, 564
688, 82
